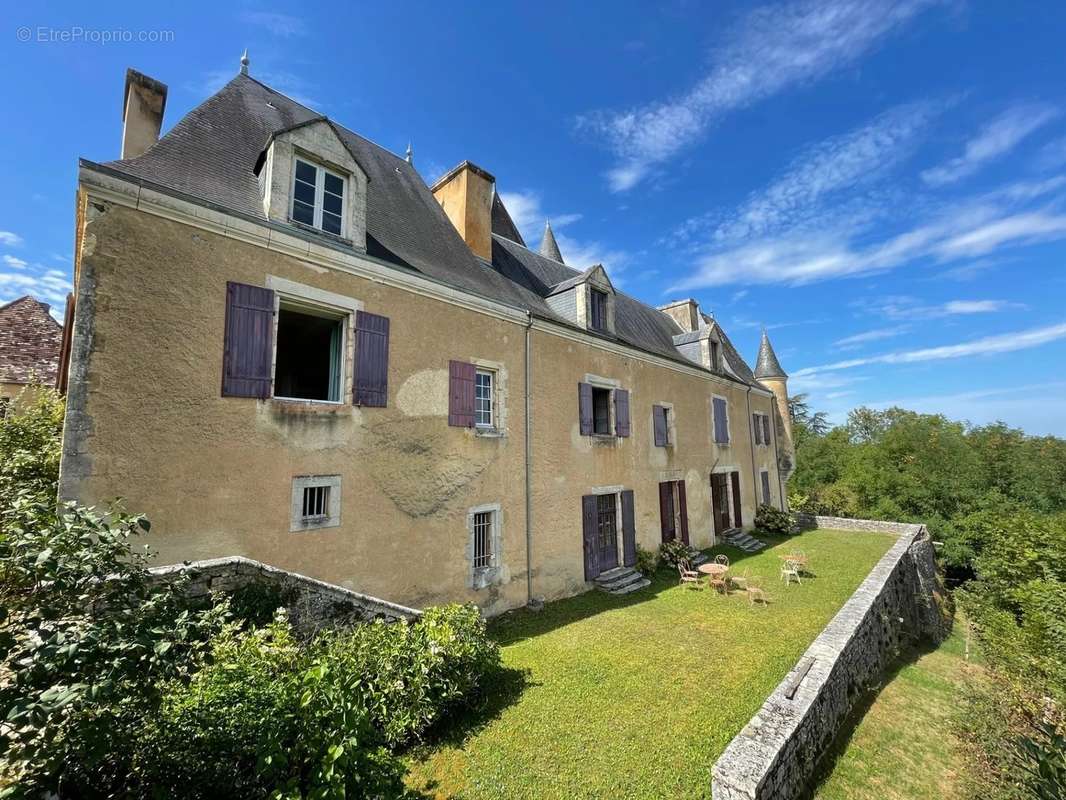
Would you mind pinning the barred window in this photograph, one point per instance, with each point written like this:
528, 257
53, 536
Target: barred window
483, 523
316, 502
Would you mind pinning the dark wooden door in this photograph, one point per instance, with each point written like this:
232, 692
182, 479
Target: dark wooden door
720, 502
629, 530
738, 516
607, 531
667, 517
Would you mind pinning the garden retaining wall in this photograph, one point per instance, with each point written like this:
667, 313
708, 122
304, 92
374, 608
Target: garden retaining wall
312, 604
777, 754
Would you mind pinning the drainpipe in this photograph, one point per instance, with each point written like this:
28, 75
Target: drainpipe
751, 444
777, 462
529, 461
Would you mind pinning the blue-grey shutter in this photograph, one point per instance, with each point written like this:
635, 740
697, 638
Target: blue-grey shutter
721, 425
765, 487
248, 347
588, 536
371, 384
461, 378
621, 412
766, 429
584, 408
658, 417
629, 530
757, 424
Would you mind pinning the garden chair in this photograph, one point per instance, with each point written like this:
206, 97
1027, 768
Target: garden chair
739, 581
689, 576
756, 594
789, 570
720, 583
722, 559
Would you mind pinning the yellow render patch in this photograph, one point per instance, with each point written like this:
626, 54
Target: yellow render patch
424, 394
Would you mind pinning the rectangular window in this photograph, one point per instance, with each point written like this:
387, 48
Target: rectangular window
483, 534
765, 487
318, 197
597, 310
714, 356
766, 429
601, 411
316, 502
606, 522
721, 420
661, 425
484, 386
309, 358
757, 425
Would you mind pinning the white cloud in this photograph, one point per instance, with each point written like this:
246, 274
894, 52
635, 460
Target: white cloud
581, 254
528, 215
10, 239
988, 345
284, 25
901, 307
15, 263
738, 296
997, 138
772, 49
52, 286
877, 334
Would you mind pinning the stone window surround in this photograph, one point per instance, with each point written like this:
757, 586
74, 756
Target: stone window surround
759, 442
499, 397
345, 177
617, 492
671, 423
728, 427
599, 382
333, 518
302, 294
584, 303
481, 578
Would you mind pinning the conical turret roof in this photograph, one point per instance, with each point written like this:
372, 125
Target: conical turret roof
768, 366
549, 248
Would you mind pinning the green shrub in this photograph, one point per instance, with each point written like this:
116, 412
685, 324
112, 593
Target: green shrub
30, 447
675, 550
647, 561
772, 520
257, 602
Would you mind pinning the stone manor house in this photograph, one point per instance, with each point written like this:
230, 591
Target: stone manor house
286, 346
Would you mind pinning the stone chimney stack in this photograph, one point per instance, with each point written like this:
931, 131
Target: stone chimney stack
465, 193
685, 313
142, 113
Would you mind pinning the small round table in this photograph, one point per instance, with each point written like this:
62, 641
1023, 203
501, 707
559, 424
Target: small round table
713, 569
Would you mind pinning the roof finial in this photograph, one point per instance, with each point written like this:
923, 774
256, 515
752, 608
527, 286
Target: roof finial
549, 248
244, 62
410, 157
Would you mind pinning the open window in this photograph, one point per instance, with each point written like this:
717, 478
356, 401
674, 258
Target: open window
309, 360
601, 411
598, 310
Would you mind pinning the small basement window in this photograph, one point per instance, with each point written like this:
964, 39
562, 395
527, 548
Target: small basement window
309, 361
601, 411
318, 197
483, 539
316, 502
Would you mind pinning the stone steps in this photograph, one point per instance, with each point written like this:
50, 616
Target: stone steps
744, 541
621, 580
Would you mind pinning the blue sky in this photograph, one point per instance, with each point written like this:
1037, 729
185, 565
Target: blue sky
882, 185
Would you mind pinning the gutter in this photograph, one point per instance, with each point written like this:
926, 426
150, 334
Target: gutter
529, 461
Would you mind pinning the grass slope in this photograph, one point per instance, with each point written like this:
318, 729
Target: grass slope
636, 696
904, 748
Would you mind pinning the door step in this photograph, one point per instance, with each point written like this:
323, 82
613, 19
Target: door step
621, 580
743, 541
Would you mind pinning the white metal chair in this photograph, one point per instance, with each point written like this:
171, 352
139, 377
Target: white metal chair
789, 570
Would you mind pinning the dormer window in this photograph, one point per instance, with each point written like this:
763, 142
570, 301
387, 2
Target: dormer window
598, 310
716, 364
318, 197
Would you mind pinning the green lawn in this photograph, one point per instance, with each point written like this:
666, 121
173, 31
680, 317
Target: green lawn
637, 696
904, 747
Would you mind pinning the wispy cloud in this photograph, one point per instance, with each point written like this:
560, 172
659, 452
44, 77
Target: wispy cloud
988, 345
772, 49
15, 263
738, 296
287, 83
284, 25
904, 307
875, 335
528, 214
997, 138
10, 239
51, 286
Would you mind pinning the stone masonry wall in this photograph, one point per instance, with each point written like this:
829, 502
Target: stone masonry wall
776, 755
312, 604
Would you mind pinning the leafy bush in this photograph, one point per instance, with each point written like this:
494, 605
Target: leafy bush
773, 520
257, 602
675, 550
30, 447
647, 561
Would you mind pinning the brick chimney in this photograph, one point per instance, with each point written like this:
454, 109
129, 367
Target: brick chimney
686, 313
142, 113
465, 193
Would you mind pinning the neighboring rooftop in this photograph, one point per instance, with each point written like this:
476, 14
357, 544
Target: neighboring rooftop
29, 342
211, 156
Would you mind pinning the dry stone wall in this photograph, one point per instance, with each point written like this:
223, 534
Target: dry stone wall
776, 755
312, 604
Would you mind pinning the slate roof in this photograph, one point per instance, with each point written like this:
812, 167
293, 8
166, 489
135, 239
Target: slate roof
549, 248
211, 155
768, 366
29, 342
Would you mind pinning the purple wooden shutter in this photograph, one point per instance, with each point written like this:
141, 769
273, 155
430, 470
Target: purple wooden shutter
666, 510
461, 394
766, 429
248, 349
371, 384
765, 487
584, 407
629, 530
757, 425
682, 508
721, 426
621, 412
658, 418
588, 536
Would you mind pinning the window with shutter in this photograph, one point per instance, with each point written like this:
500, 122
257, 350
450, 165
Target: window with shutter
756, 425
621, 412
601, 411
661, 425
584, 404
371, 385
249, 341
461, 378
721, 420
765, 476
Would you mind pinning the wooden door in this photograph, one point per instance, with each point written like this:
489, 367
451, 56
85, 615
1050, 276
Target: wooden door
738, 516
588, 537
629, 530
607, 531
667, 517
720, 502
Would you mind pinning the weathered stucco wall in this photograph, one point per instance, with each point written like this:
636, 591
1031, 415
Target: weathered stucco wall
311, 604
777, 754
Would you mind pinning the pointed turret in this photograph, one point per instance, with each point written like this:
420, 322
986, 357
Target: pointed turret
549, 248
768, 366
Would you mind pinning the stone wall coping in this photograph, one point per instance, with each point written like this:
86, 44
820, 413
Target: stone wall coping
753, 755
251, 568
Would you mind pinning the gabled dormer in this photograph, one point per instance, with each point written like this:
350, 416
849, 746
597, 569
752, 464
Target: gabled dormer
701, 339
309, 178
587, 300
